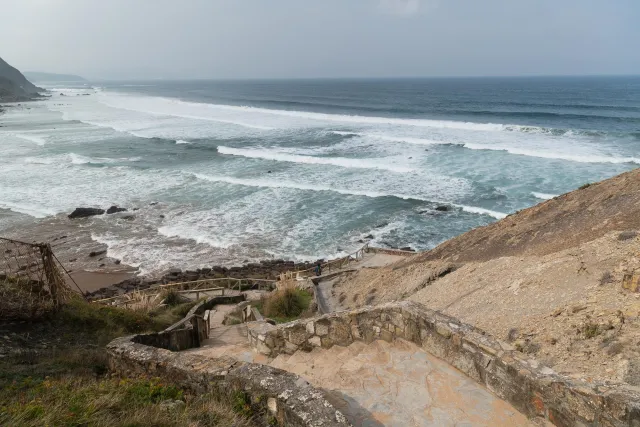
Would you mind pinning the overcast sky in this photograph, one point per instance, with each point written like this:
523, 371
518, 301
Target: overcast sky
320, 38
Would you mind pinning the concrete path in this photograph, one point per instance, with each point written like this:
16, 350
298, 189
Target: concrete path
327, 303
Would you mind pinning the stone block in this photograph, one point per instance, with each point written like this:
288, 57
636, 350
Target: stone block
326, 342
322, 329
340, 333
443, 330
398, 320
386, 335
315, 341
262, 348
290, 348
298, 334
311, 328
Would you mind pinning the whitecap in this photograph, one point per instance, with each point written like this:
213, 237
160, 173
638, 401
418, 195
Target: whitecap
293, 158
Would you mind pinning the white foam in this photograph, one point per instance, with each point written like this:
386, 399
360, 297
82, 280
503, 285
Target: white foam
543, 196
116, 248
31, 138
309, 187
293, 158
181, 141
375, 120
39, 160
546, 153
78, 159
170, 107
33, 210
204, 111
185, 232
481, 211
410, 140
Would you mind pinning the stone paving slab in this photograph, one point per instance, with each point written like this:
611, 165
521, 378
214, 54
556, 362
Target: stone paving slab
399, 384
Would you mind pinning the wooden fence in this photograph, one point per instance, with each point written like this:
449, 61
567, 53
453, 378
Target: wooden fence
31, 284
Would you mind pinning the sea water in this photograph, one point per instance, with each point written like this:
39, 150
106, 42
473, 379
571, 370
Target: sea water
248, 170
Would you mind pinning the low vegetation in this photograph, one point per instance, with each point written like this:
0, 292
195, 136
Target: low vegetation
285, 305
68, 383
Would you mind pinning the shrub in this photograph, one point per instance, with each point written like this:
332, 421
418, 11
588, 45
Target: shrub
606, 277
171, 298
583, 186
287, 303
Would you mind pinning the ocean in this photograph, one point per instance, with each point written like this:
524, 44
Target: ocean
238, 171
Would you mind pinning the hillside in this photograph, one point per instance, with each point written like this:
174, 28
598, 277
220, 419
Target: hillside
14, 86
548, 279
39, 77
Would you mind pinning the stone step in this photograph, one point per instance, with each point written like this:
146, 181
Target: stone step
280, 361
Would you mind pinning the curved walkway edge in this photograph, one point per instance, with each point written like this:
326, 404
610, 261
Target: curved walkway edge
535, 390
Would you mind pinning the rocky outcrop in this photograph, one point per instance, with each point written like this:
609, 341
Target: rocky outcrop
85, 212
115, 209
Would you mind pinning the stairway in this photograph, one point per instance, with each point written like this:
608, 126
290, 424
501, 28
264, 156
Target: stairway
398, 384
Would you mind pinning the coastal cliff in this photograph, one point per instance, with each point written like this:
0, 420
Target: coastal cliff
14, 86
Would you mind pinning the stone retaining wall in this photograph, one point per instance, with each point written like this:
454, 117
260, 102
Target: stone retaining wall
535, 390
191, 330
275, 394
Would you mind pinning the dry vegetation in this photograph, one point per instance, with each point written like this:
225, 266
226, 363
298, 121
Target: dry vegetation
285, 305
66, 382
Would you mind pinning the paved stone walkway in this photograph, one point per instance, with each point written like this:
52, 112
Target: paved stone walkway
377, 384
399, 384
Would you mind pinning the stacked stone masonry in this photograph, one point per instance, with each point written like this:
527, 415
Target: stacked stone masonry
535, 390
282, 396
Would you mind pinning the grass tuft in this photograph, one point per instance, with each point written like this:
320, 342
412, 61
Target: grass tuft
285, 305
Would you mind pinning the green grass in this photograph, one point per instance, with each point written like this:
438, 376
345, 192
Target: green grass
68, 384
285, 305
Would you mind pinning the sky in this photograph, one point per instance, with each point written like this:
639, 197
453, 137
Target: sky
221, 39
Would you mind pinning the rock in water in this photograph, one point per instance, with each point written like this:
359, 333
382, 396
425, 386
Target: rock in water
115, 209
85, 212
442, 208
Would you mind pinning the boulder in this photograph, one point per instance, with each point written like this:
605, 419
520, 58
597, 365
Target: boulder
408, 249
115, 209
96, 253
85, 212
443, 208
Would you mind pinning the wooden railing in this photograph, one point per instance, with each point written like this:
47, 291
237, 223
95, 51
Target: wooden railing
195, 286
231, 283
328, 266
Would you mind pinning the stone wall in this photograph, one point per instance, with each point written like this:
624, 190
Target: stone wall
275, 395
535, 390
191, 330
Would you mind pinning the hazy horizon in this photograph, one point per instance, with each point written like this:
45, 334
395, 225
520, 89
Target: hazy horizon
361, 39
